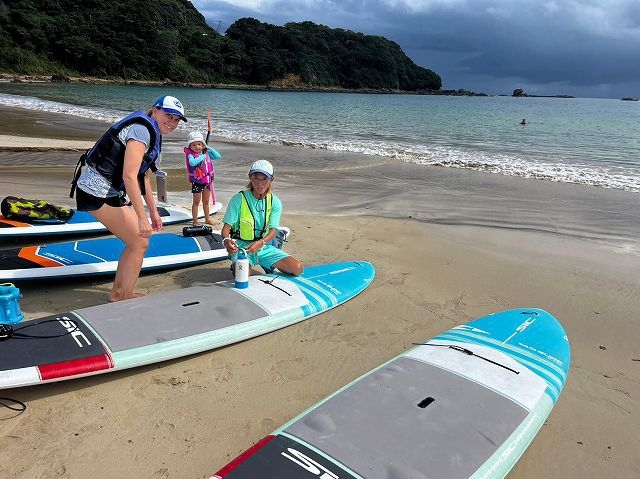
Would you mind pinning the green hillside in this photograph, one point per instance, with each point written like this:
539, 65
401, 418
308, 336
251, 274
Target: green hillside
170, 40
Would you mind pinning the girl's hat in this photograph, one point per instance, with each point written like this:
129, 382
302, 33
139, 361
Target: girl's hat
264, 167
196, 136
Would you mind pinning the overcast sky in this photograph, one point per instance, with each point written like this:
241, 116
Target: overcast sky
584, 48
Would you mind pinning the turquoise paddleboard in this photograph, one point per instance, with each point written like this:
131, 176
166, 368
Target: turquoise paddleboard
155, 328
465, 404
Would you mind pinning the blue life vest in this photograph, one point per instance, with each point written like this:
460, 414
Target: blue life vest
107, 155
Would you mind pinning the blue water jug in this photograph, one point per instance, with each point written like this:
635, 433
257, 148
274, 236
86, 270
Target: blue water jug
9, 304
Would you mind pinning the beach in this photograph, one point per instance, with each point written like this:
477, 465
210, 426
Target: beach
468, 245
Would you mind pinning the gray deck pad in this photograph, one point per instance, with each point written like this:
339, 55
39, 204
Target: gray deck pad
164, 317
429, 423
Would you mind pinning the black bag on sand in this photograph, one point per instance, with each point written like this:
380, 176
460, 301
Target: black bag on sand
32, 211
200, 230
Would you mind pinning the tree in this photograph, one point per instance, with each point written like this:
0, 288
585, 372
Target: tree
129, 39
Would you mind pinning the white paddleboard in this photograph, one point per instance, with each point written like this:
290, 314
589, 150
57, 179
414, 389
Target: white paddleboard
82, 223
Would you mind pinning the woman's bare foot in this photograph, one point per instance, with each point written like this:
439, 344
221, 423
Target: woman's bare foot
115, 299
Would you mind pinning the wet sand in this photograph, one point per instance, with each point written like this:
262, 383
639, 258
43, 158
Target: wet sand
435, 269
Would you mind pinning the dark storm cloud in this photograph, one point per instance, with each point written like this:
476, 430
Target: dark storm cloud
584, 47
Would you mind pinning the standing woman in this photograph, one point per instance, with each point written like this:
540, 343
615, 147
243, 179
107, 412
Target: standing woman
116, 166
251, 222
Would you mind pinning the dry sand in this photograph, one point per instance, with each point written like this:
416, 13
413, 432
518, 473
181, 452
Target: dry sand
186, 418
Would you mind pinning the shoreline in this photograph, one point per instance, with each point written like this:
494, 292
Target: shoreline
282, 86
19, 143
440, 268
337, 183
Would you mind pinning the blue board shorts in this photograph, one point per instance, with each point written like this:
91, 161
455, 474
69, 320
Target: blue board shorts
266, 257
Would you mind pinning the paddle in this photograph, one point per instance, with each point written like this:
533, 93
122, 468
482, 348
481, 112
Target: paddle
208, 125
206, 141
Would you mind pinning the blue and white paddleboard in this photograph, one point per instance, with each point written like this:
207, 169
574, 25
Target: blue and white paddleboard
173, 324
465, 404
82, 223
99, 256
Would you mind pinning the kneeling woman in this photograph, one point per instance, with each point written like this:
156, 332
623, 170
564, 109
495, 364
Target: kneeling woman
251, 222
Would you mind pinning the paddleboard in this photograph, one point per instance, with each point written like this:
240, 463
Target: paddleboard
465, 404
82, 222
155, 328
99, 256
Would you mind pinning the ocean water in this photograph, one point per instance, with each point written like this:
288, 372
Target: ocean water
580, 141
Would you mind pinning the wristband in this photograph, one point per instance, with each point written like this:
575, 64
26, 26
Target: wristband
263, 242
225, 239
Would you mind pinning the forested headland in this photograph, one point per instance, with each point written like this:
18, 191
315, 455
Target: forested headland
170, 41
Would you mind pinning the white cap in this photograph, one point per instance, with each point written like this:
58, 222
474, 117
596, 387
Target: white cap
195, 136
264, 167
171, 105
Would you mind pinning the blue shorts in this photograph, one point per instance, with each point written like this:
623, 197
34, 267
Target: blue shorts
266, 256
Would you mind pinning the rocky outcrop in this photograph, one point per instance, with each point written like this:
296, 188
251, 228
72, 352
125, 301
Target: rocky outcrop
519, 92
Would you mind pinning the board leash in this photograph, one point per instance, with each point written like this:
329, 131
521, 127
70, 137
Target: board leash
468, 352
14, 405
7, 331
270, 283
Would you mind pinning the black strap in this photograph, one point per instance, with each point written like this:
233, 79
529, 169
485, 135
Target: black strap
14, 405
7, 331
467, 352
76, 173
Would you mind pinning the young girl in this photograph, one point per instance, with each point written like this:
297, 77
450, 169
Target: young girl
198, 159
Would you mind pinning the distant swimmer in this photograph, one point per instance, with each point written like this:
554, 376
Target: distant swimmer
524, 121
